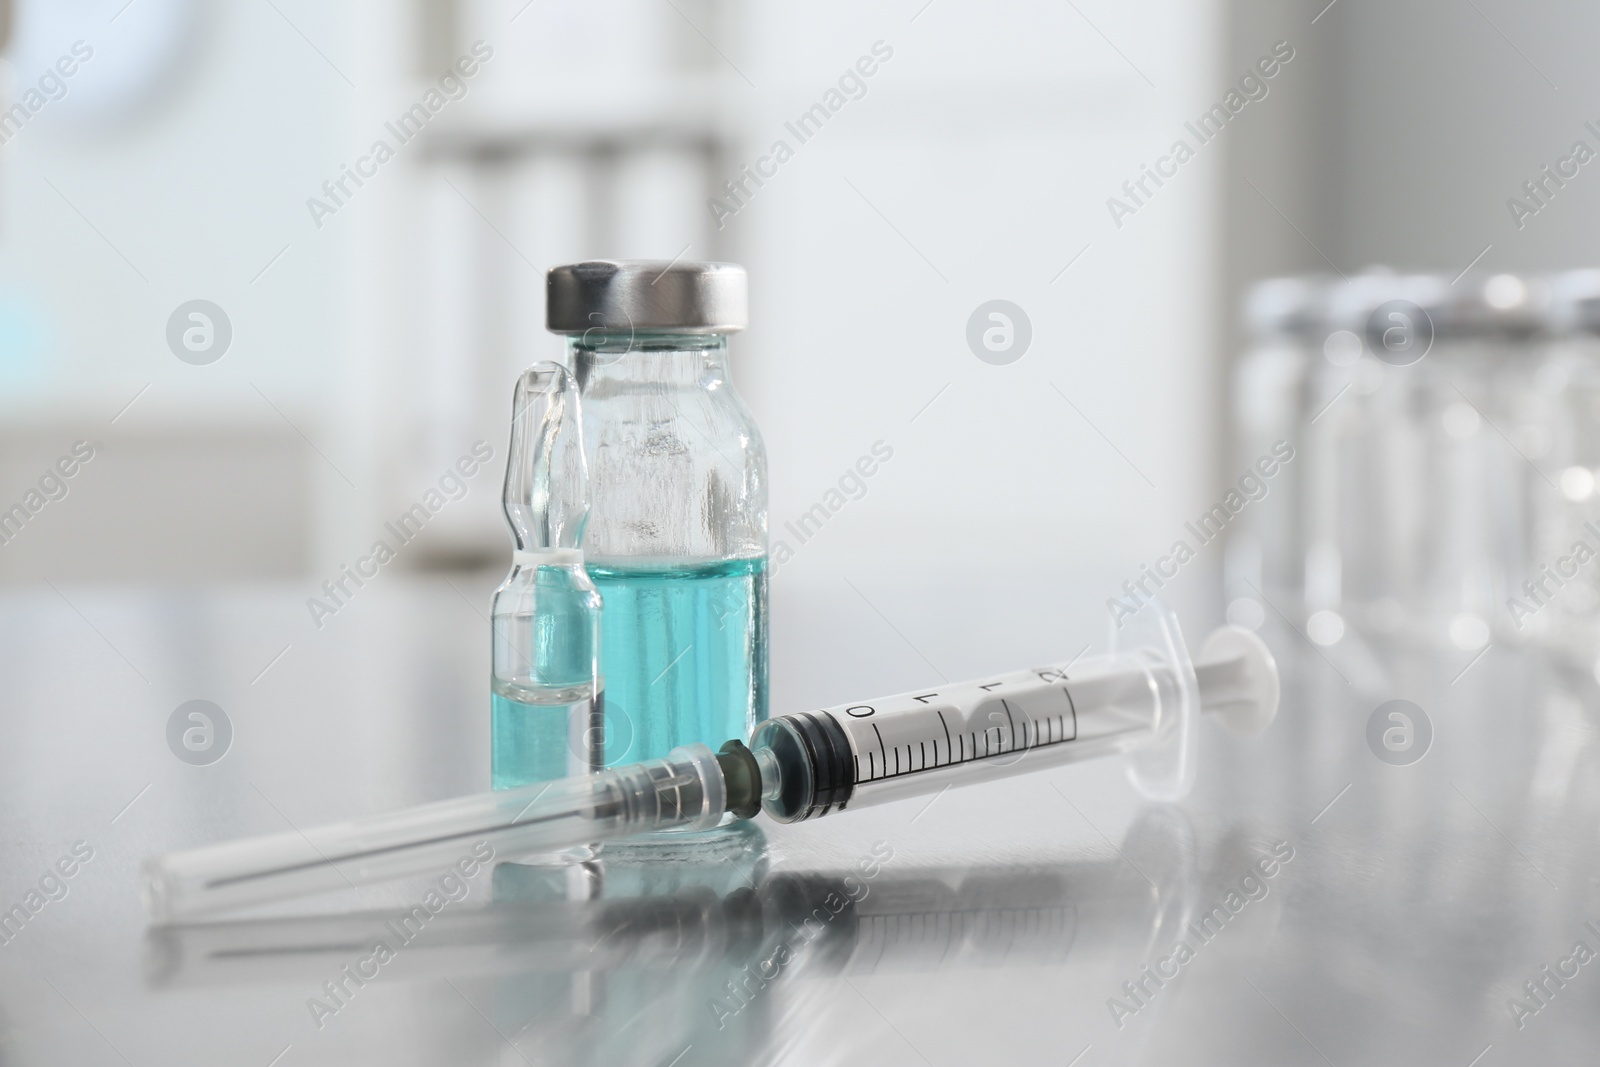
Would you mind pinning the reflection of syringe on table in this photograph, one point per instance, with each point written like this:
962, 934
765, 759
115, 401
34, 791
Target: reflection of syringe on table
832, 922
1142, 702
671, 955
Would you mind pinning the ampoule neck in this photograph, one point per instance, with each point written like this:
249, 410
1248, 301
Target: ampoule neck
546, 494
547, 557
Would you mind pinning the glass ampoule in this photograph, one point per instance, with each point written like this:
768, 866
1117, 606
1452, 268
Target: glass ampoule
547, 702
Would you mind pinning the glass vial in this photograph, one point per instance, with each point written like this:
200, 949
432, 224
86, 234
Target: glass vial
677, 535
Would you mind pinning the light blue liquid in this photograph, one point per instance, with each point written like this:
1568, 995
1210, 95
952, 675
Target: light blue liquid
536, 735
683, 651
542, 688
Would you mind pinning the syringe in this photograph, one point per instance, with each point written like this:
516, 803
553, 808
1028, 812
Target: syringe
802, 766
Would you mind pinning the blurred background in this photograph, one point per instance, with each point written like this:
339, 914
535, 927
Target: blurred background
269, 269
371, 334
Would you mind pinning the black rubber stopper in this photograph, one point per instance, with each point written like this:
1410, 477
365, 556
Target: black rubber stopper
741, 777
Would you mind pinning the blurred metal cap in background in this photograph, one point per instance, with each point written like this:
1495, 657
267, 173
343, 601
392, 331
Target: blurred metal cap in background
647, 294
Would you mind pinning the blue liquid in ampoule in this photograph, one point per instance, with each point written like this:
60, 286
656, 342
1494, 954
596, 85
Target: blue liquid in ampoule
543, 701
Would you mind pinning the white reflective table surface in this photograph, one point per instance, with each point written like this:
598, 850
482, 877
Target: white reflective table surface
1310, 903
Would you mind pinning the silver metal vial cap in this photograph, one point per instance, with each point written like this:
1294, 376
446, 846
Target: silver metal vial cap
646, 294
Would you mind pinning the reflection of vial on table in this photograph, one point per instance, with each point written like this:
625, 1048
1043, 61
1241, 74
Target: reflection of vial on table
677, 536
546, 696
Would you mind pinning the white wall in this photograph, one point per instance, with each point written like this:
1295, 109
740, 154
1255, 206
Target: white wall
1444, 111
116, 206
976, 167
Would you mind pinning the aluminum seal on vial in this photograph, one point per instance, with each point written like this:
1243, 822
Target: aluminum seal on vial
643, 295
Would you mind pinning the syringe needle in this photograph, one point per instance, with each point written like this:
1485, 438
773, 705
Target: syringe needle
684, 789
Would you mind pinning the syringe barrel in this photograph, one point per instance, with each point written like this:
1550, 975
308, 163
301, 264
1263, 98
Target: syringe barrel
918, 743
683, 789
921, 743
